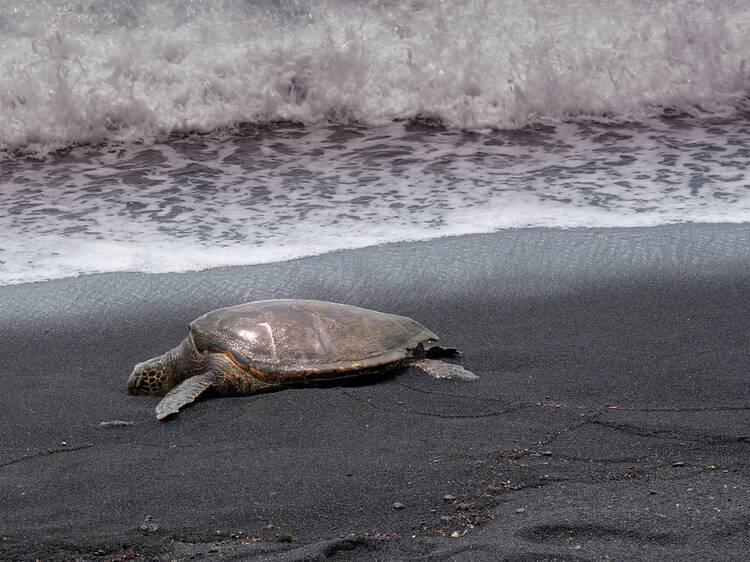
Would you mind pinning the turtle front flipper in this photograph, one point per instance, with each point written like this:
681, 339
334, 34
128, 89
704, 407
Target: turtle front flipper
441, 370
185, 393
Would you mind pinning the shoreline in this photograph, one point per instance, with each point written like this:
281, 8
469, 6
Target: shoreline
291, 255
668, 234
613, 386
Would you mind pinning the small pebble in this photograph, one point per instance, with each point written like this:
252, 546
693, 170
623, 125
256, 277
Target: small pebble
100, 552
547, 453
115, 423
521, 510
149, 525
397, 505
449, 497
652, 492
678, 463
463, 505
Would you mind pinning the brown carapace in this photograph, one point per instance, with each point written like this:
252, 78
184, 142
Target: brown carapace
275, 344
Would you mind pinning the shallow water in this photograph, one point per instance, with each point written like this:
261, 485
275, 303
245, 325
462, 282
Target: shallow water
274, 193
145, 136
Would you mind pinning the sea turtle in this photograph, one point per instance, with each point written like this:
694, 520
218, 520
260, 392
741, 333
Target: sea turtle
275, 344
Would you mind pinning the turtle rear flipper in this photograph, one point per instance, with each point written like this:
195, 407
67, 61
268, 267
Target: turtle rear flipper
435, 351
184, 393
441, 370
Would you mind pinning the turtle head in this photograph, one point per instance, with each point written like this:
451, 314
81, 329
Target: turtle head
154, 377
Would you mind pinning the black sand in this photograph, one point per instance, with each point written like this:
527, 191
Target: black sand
611, 418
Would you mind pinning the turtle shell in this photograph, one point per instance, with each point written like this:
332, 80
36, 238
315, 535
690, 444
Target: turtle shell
291, 339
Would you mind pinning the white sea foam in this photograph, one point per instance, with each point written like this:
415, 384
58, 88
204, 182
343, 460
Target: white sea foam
272, 194
93, 70
130, 74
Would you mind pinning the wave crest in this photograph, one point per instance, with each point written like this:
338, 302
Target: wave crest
94, 71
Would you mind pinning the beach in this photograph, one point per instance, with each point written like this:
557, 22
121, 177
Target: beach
560, 192
610, 419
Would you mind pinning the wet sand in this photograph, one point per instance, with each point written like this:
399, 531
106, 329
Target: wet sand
612, 416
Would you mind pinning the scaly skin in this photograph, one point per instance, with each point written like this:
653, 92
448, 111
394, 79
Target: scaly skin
159, 375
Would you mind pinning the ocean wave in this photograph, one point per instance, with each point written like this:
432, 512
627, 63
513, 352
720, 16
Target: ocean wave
94, 71
284, 192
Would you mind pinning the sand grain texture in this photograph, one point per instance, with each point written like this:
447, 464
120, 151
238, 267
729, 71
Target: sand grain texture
611, 417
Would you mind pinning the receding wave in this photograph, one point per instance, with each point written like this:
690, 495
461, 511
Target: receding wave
277, 193
93, 71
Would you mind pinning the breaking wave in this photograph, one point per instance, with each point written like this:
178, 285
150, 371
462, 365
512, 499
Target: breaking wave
92, 71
